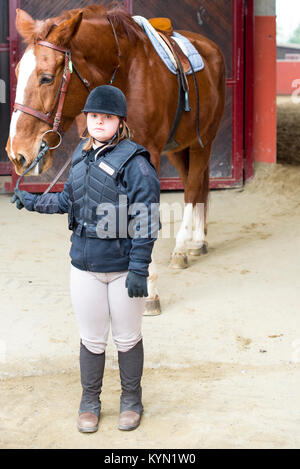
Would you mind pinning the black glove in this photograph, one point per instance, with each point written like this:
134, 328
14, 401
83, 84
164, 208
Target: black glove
23, 199
136, 285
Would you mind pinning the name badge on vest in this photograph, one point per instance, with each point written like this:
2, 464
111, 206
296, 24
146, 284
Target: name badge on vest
106, 168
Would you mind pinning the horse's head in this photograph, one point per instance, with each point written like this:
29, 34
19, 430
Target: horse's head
97, 40
39, 75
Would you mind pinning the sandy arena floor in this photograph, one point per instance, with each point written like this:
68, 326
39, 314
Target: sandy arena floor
288, 130
222, 361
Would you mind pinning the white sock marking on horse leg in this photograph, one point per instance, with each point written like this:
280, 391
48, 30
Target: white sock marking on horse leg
185, 231
27, 66
152, 280
198, 228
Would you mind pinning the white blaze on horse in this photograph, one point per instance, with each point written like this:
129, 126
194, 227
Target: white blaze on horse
81, 49
26, 68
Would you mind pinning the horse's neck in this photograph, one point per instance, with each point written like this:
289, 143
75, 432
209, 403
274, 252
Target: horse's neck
103, 59
95, 63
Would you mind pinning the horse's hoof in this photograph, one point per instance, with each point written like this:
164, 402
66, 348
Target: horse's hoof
152, 307
198, 251
194, 251
179, 261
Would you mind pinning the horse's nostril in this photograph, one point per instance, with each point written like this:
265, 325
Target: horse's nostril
22, 159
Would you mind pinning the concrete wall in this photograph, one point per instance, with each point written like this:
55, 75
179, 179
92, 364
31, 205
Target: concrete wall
265, 82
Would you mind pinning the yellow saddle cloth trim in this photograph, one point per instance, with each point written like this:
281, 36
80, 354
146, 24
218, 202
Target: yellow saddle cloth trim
163, 24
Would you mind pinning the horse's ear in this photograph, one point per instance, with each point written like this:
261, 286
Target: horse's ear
32, 30
64, 32
25, 24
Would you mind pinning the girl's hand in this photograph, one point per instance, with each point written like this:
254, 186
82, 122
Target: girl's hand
136, 285
23, 199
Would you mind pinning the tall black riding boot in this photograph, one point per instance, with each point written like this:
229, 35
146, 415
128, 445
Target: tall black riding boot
131, 369
91, 372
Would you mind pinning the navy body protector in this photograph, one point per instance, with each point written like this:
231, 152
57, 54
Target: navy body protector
94, 182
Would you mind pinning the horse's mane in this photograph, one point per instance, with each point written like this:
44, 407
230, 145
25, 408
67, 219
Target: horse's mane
121, 19
126, 25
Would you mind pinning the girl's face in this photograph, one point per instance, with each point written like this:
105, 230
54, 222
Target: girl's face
102, 126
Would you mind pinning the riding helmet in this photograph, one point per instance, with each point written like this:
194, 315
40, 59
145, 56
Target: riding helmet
106, 99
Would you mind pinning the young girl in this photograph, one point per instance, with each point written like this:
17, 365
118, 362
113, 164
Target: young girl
111, 192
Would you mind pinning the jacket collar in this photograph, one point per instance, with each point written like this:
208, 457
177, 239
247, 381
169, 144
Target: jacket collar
95, 153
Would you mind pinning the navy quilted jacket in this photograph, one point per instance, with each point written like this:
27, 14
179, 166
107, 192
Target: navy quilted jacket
127, 173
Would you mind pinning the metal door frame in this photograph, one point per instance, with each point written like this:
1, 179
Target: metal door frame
5, 166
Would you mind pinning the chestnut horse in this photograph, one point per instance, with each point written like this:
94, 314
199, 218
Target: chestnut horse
105, 43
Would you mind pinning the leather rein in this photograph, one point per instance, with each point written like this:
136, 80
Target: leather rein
58, 104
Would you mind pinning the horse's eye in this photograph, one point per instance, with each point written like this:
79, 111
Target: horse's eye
46, 79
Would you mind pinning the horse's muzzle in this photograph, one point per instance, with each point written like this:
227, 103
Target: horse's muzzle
22, 165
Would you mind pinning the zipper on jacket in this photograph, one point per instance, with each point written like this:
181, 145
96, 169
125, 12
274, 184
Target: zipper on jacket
85, 213
85, 195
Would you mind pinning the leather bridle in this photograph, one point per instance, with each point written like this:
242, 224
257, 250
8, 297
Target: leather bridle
63, 87
49, 117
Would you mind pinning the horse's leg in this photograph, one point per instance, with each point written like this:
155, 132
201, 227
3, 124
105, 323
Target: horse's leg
195, 207
198, 245
180, 160
152, 305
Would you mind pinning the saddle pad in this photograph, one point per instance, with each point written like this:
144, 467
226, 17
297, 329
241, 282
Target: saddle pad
163, 50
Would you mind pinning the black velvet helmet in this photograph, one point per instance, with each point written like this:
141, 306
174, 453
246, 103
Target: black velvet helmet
106, 99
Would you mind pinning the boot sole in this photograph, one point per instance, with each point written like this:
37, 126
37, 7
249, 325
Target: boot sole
87, 430
128, 429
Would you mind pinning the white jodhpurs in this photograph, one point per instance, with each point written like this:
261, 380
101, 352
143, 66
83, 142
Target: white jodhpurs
101, 299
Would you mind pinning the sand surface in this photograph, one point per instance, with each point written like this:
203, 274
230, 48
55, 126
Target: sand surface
222, 361
288, 130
